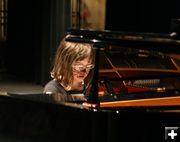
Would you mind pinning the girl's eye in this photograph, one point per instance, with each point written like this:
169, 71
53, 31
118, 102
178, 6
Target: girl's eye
83, 67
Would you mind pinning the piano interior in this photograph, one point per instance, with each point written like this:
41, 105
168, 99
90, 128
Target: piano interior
131, 73
134, 70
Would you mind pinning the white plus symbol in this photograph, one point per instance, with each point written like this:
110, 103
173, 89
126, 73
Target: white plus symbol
172, 134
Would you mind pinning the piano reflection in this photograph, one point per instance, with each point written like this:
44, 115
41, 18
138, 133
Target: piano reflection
133, 96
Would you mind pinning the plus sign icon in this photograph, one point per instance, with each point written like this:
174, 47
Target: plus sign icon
171, 133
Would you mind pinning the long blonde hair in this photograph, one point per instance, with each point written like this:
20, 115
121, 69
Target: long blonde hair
66, 54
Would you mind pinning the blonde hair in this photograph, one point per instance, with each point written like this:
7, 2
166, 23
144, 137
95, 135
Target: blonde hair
66, 54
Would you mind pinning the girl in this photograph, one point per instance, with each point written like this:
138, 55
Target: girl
71, 71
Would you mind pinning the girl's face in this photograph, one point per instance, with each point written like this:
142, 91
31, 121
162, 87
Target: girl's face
81, 69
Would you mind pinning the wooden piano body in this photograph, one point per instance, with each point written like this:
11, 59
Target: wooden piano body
136, 104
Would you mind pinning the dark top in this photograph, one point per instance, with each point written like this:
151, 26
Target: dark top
54, 87
57, 91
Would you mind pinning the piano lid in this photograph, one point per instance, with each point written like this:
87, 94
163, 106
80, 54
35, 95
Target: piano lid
148, 41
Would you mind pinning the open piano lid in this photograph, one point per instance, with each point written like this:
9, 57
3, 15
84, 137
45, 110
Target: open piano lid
134, 69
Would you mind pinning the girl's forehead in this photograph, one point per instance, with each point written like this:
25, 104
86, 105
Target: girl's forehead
85, 60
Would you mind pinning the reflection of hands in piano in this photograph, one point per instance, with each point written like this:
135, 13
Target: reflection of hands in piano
79, 98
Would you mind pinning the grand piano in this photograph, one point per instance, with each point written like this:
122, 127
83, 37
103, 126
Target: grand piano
134, 95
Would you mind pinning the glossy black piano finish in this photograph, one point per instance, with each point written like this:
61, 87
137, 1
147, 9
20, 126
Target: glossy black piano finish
22, 119
34, 120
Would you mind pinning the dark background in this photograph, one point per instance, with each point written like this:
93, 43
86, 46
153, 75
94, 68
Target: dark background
33, 33
141, 15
